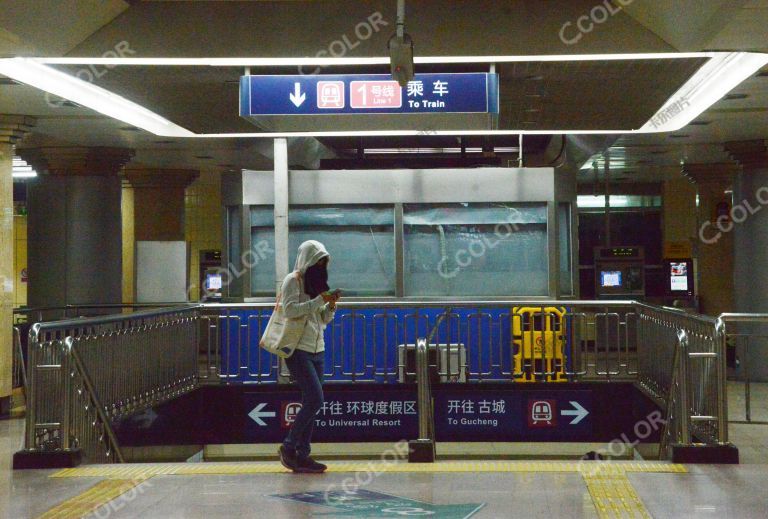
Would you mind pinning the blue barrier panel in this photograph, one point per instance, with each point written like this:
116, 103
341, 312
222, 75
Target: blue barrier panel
363, 344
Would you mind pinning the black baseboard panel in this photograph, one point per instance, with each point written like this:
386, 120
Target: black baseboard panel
47, 459
421, 451
727, 454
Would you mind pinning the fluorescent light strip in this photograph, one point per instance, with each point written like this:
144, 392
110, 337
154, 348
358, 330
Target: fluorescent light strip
722, 73
20, 169
386, 151
379, 60
709, 84
89, 95
408, 133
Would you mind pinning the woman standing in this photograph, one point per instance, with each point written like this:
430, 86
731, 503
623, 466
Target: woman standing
305, 294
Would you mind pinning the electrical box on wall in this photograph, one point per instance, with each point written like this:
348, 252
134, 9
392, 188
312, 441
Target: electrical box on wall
161, 271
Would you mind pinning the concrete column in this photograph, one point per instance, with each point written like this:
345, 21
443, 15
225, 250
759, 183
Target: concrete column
158, 201
713, 248
75, 233
12, 129
750, 230
751, 272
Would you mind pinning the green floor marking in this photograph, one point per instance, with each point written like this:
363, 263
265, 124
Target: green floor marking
369, 503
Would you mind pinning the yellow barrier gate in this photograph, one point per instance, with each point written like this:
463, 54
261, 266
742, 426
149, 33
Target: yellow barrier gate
538, 338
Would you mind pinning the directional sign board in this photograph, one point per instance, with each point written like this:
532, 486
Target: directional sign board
461, 414
512, 415
344, 416
368, 94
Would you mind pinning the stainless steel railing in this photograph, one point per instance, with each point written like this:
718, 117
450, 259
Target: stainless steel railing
475, 338
57, 313
85, 373
85, 421
682, 366
745, 331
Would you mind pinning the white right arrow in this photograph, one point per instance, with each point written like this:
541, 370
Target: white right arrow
257, 414
297, 97
578, 411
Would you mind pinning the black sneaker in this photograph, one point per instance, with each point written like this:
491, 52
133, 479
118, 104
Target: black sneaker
310, 466
287, 458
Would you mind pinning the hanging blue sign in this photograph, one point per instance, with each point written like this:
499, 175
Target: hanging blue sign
368, 94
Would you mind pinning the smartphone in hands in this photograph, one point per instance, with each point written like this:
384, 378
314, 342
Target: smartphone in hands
331, 296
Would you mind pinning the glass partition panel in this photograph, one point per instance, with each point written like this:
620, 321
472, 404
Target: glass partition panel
493, 249
262, 255
360, 240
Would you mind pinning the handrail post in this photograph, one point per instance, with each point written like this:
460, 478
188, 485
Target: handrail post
422, 450
32, 346
685, 410
722, 389
422, 379
66, 372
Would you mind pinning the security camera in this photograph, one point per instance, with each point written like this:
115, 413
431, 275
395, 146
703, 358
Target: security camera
401, 58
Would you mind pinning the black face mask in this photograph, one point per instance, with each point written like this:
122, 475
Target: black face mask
316, 280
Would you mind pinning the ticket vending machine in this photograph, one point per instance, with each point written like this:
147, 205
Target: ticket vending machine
679, 279
619, 272
211, 278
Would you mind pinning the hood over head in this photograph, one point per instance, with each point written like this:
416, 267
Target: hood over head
310, 252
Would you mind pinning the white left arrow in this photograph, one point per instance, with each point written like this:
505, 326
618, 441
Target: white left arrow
257, 414
297, 97
578, 412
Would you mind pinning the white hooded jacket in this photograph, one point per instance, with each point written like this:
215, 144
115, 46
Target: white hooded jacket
296, 303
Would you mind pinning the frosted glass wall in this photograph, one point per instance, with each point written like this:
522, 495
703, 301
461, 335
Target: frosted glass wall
360, 240
475, 249
456, 249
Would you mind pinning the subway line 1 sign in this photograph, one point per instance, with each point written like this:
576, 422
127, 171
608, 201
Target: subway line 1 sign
368, 94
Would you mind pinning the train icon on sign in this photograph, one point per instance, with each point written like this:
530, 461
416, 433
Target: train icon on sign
289, 412
330, 94
542, 413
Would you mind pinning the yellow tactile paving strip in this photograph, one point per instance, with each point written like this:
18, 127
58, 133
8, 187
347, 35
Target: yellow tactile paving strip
146, 470
611, 491
89, 501
614, 496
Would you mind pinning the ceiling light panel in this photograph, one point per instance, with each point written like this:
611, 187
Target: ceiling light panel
720, 74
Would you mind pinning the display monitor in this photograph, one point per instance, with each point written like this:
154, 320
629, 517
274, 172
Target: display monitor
678, 276
213, 282
610, 278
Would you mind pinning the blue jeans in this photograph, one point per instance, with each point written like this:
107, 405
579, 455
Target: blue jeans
307, 370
